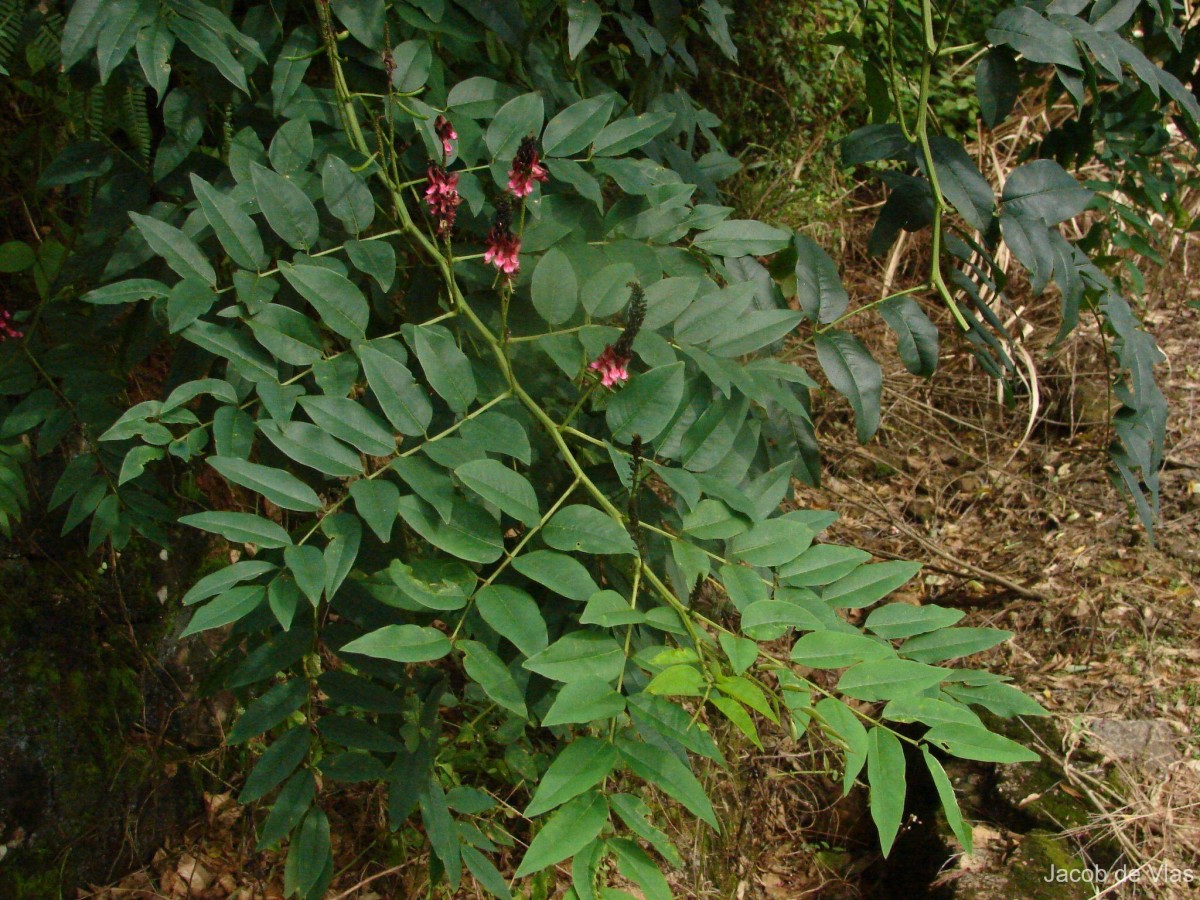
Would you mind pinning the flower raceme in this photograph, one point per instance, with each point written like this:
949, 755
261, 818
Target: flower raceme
526, 169
503, 247
446, 134
7, 329
442, 197
612, 364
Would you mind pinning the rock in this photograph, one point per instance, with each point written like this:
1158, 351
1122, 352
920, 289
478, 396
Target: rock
1149, 744
1023, 874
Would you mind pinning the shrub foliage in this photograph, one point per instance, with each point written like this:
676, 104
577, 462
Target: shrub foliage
431, 309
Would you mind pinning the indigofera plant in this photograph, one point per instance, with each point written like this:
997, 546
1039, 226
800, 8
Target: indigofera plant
489, 377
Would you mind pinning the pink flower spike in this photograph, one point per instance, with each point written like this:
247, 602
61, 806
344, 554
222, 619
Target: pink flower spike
446, 133
442, 198
7, 329
526, 169
612, 368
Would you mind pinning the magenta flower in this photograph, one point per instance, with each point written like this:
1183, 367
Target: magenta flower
613, 362
446, 133
503, 247
612, 368
526, 169
442, 197
7, 329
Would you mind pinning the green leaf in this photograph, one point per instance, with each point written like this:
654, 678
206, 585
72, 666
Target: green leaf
855, 375
773, 542
742, 237
835, 650
518, 118
945, 791
843, 724
973, 742
623, 135
514, 615
290, 806
500, 485
887, 679
901, 620
430, 482
578, 655
869, 583
767, 620
951, 643
351, 422
339, 303
585, 529
434, 584
573, 129
286, 207
312, 447
179, 250
209, 46
244, 528
562, 574
377, 503
634, 865
307, 566
929, 710
663, 769
280, 487
961, 183
345, 535
189, 300
287, 334
871, 143
404, 402
235, 346
1035, 37
218, 581
821, 564
401, 643
608, 609
308, 854
231, 606
646, 406
583, 21
756, 329
487, 670
1043, 190
470, 533
413, 60
713, 520
347, 197
582, 701
375, 258
579, 766
916, 336
607, 291
885, 774
555, 288
234, 229
566, 833
1002, 699
269, 710
129, 291
818, 284
997, 84
485, 873
675, 724
446, 367
635, 814
276, 764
